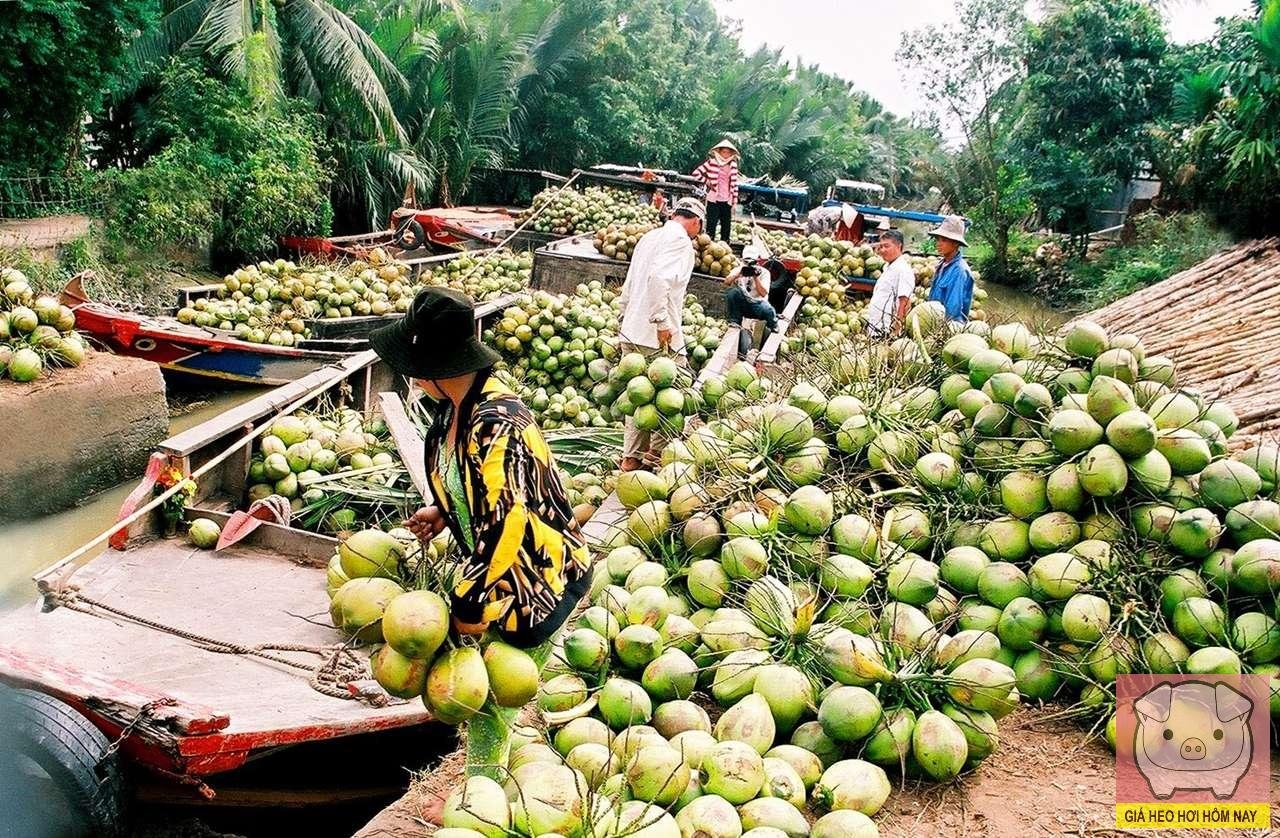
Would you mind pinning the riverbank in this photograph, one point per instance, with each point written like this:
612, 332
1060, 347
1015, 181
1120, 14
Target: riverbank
36, 541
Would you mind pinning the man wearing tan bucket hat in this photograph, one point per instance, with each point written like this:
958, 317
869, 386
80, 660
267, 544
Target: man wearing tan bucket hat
719, 175
952, 279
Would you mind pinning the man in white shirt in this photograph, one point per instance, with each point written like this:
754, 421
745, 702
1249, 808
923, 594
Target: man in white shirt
891, 297
652, 301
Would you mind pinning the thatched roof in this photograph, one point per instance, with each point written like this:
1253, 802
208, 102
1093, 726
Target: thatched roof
1220, 323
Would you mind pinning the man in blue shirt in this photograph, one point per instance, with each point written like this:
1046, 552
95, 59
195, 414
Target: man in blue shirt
952, 280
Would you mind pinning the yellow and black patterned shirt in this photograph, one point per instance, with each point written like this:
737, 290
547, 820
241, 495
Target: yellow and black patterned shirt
529, 562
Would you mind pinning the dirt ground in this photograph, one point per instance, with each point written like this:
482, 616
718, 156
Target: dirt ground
1043, 780
43, 233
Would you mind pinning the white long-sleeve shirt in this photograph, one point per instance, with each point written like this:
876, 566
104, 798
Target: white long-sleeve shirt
652, 296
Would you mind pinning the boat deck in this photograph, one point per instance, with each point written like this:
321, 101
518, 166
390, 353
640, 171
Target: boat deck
225, 705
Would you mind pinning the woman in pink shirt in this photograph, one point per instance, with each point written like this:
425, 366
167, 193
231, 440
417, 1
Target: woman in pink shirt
719, 174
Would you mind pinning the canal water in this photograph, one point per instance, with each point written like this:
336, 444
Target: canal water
31, 545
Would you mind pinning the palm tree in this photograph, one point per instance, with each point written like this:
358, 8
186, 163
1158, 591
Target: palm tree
313, 50
472, 83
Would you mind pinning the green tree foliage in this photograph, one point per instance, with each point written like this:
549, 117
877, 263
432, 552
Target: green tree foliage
230, 173
1095, 83
970, 73
1224, 136
57, 58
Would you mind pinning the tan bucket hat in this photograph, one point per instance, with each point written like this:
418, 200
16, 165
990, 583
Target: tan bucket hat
692, 206
726, 144
952, 227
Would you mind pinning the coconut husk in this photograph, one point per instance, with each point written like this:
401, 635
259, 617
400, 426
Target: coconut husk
1219, 321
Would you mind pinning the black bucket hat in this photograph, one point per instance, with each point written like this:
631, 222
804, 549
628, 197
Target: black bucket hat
435, 339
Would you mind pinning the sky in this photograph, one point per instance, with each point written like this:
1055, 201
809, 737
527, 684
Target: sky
857, 39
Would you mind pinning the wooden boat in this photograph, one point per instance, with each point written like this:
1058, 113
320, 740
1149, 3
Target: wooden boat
413, 232
181, 706
216, 354
191, 350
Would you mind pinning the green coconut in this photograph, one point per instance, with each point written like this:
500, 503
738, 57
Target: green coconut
849, 714
671, 675
939, 745
1102, 472
1073, 432
788, 693
1023, 494
856, 536
771, 817
852, 784
733, 771
623, 703
1174, 410
1084, 339
709, 816
1226, 483
1005, 539
1021, 625
809, 510
1109, 397
805, 764
479, 805
1195, 532
1085, 618
913, 580
1063, 489
1058, 576
1265, 460
981, 684
744, 558
809, 737
735, 675
203, 533
1053, 532
961, 566
401, 676
1252, 520
415, 623
358, 606
985, 363
371, 553
1255, 568
1199, 622
1116, 363
457, 685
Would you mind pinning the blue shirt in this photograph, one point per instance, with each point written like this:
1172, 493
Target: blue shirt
953, 287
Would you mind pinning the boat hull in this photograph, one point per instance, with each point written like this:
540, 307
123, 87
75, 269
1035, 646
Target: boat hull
183, 349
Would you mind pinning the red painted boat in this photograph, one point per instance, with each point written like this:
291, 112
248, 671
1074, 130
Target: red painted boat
410, 230
142, 656
191, 350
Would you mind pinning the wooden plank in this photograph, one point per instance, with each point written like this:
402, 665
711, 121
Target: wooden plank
769, 352
238, 797
183, 444
195, 292
117, 699
408, 442
723, 357
609, 518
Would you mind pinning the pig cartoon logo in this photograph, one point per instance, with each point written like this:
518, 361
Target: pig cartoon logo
1191, 737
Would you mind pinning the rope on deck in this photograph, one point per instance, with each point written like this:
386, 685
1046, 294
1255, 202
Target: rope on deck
339, 674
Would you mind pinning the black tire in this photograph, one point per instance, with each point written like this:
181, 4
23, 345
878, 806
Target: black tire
409, 234
56, 771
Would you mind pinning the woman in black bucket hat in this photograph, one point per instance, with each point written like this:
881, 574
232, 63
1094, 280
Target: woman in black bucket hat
494, 481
